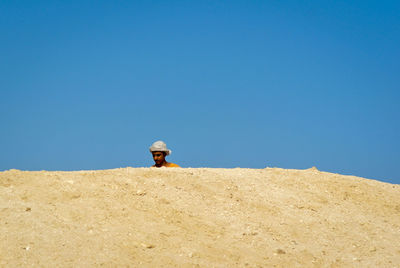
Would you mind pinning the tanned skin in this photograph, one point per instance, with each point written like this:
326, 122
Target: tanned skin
159, 159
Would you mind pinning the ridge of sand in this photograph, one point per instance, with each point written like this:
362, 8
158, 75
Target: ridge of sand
197, 217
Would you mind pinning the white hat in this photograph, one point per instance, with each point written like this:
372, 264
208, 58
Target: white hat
160, 146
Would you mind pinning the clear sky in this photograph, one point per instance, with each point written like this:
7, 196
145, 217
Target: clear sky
290, 84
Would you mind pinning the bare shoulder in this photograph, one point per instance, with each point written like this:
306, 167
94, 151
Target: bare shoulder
173, 165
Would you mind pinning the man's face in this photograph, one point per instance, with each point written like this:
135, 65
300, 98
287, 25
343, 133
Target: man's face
159, 158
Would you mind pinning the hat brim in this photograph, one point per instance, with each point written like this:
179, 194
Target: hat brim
168, 152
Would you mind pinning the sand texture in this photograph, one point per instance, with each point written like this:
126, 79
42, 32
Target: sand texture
197, 217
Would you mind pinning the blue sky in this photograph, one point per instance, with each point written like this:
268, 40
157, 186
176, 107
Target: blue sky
290, 84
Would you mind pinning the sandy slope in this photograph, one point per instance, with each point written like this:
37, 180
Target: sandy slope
197, 217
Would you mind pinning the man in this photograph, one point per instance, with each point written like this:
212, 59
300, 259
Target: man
159, 151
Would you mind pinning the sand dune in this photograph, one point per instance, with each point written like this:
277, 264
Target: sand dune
143, 217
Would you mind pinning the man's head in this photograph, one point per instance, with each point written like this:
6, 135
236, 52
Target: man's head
159, 158
159, 151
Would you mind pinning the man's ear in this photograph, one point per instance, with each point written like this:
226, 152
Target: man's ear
165, 154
